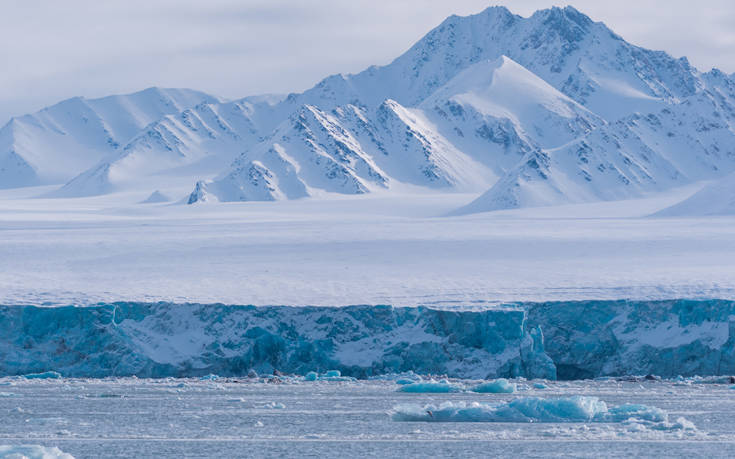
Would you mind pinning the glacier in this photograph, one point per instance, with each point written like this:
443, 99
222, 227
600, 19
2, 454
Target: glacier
565, 340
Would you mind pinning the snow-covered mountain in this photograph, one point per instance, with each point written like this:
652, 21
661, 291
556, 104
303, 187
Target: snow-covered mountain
56, 143
202, 139
549, 109
543, 110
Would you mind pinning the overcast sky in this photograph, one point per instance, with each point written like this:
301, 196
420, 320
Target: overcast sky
52, 50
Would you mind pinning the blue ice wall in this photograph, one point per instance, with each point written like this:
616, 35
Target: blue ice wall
535, 340
188, 340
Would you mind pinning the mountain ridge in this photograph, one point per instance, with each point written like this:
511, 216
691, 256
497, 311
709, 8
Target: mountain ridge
578, 114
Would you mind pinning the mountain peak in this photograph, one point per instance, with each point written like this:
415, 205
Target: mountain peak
570, 25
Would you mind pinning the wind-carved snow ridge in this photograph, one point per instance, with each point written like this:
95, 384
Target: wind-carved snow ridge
569, 340
545, 110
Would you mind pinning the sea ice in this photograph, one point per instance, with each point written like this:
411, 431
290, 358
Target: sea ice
32, 452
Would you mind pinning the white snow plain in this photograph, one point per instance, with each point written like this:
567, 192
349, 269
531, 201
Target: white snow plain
382, 248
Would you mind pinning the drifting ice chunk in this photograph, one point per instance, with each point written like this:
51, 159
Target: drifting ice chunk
540, 386
430, 387
209, 377
332, 374
529, 409
499, 386
275, 405
311, 376
33, 452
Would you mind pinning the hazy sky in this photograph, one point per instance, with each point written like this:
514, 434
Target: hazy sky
52, 50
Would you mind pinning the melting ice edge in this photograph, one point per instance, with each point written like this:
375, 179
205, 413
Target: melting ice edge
565, 340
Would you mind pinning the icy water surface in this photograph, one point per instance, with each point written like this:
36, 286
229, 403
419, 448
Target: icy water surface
295, 418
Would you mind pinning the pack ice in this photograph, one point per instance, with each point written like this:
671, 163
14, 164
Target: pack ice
568, 340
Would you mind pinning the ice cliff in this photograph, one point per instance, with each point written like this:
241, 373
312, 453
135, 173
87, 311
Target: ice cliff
535, 340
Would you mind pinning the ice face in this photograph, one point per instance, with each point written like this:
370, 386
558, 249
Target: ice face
536, 340
175, 340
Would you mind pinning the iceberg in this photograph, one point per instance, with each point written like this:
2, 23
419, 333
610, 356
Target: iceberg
430, 387
499, 386
528, 409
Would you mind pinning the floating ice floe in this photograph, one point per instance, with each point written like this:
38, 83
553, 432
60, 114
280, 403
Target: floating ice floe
275, 406
32, 452
331, 375
499, 386
209, 377
540, 386
430, 387
529, 409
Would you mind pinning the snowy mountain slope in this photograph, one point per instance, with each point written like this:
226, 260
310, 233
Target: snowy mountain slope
685, 142
345, 151
716, 198
582, 58
310, 147
497, 111
200, 140
610, 163
58, 142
